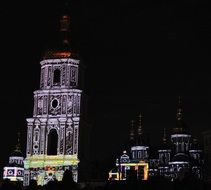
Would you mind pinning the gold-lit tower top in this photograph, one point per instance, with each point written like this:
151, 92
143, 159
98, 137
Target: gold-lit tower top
62, 48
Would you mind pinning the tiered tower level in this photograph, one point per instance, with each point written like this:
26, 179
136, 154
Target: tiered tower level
52, 132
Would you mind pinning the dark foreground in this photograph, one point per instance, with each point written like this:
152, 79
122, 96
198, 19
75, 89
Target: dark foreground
153, 184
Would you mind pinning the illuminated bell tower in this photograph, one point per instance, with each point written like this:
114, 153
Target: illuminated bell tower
52, 132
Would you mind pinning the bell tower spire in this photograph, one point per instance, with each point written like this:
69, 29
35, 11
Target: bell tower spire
179, 110
181, 124
180, 136
65, 25
164, 135
140, 139
132, 131
140, 131
18, 145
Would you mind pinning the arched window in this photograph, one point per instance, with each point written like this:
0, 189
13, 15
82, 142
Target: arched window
36, 134
139, 154
52, 142
56, 76
133, 155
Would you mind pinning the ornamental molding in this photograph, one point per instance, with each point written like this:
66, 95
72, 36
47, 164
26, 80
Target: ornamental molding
30, 120
57, 91
68, 61
37, 122
76, 119
16, 157
166, 150
180, 135
53, 121
43, 120
62, 120
195, 151
139, 148
178, 162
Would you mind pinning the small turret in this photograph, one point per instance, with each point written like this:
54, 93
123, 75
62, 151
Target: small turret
15, 169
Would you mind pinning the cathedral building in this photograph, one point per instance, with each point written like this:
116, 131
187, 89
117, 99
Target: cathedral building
187, 155
176, 158
53, 130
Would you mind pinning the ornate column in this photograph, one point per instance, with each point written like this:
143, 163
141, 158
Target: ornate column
75, 135
30, 123
69, 137
62, 124
42, 135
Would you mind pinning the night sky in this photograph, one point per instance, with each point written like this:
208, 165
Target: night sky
139, 57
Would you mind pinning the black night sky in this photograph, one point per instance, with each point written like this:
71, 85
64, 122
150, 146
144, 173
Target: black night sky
139, 57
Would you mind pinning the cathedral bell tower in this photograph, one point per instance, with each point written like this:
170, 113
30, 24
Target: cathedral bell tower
53, 131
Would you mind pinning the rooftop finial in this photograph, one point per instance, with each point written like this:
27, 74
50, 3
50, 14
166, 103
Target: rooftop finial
18, 146
164, 135
179, 110
19, 134
65, 23
65, 28
140, 126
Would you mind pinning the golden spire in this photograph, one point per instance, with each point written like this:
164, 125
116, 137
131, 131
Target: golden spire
140, 132
132, 133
